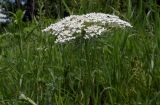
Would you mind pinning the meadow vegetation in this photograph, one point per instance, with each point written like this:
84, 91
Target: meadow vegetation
120, 68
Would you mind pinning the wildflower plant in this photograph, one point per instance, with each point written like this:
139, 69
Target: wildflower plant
85, 26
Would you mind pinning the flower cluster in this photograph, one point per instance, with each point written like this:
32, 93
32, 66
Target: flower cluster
89, 25
3, 17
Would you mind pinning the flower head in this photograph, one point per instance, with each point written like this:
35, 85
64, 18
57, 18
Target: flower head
3, 17
92, 24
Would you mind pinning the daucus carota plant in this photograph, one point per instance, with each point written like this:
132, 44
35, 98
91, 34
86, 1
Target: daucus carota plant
87, 26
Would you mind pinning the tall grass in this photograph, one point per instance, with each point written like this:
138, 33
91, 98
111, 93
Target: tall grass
120, 68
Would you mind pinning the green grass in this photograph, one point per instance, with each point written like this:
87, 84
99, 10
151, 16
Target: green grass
120, 68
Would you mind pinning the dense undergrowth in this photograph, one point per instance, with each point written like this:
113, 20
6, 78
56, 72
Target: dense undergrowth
119, 68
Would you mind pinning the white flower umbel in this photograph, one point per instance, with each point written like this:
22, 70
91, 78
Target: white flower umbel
88, 26
3, 17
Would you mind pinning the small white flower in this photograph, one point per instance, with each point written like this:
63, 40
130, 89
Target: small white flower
93, 25
93, 30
